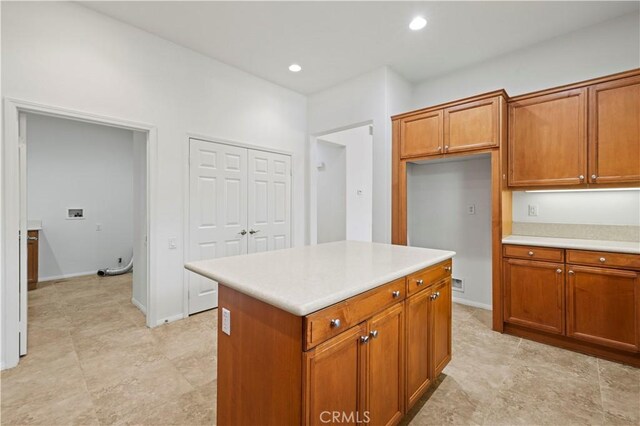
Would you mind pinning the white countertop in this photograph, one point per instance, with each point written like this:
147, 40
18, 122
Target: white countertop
573, 243
305, 279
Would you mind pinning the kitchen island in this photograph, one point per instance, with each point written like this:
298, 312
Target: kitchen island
345, 332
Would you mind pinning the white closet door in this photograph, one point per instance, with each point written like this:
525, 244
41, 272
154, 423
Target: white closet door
218, 212
269, 201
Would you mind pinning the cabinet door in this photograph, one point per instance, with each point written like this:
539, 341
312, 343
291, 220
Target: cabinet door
614, 131
386, 366
548, 140
534, 294
603, 305
335, 379
473, 125
421, 134
440, 299
418, 346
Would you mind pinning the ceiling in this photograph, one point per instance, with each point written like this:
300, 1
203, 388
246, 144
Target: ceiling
334, 41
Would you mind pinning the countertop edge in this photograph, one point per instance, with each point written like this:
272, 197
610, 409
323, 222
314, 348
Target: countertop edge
302, 310
569, 243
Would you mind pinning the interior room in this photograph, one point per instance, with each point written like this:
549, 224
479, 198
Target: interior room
285, 213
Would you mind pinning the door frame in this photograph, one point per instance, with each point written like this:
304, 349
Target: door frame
313, 176
186, 240
10, 210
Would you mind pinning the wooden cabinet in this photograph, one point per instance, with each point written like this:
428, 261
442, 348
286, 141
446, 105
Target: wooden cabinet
466, 125
336, 377
440, 299
603, 306
386, 366
32, 259
614, 131
422, 134
547, 139
534, 294
472, 125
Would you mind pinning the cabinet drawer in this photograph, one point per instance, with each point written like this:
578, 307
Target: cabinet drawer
333, 320
604, 259
422, 279
533, 253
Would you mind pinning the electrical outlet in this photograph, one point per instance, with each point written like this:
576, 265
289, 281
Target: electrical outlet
471, 209
226, 321
533, 210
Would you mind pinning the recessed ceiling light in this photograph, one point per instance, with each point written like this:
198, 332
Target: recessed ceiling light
295, 68
418, 23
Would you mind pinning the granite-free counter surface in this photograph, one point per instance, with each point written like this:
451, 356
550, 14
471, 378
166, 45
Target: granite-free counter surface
574, 243
305, 279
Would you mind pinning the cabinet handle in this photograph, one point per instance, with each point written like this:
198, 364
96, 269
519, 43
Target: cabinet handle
395, 294
581, 177
364, 339
374, 333
558, 271
335, 323
419, 282
530, 253
447, 268
602, 260
571, 272
594, 177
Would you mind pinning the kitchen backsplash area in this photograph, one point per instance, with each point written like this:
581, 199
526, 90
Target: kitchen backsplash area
592, 215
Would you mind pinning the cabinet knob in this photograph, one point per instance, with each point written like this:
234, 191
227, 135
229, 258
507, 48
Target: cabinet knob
446, 148
447, 268
395, 294
581, 177
419, 282
558, 271
602, 260
530, 253
571, 272
364, 339
437, 294
439, 148
335, 323
594, 177
373, 333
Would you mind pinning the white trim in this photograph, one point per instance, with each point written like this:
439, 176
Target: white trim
472, 303
65, 276
139, 305
172, 318
11, 212
186, 207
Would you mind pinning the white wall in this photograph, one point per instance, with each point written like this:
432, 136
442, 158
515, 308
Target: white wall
359, 180
438, 195
72, 164
116, 70
139, 202
595, 51
580, 207
331, 191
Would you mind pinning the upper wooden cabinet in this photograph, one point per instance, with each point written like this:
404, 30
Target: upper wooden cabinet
614, 131
469, 124
584, 134
548, 140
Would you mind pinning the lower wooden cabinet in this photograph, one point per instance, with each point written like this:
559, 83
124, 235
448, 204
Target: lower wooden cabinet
534, 294
603, 306
441, 325
32, 259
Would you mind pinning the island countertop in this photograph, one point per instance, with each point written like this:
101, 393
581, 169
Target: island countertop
305, 279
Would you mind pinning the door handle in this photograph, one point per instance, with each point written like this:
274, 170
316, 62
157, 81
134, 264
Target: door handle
243, 232
254, 232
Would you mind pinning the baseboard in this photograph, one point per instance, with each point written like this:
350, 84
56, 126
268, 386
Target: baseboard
169, 319
472, 303
139, 305
65, 276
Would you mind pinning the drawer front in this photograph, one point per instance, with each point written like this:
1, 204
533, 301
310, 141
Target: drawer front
533, 253
604, 259
333, 320
423, 279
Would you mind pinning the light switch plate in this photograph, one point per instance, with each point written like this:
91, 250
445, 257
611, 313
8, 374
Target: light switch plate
226, 321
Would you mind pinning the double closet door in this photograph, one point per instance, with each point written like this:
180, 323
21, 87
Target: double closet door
239, 203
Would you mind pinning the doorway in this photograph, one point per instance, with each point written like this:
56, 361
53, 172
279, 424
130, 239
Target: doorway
341, 185
19, 117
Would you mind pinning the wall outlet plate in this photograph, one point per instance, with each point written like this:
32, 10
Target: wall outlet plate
533, 210
471, 209
226, 321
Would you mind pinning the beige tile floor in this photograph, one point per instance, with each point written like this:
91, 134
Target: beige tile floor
92, 361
